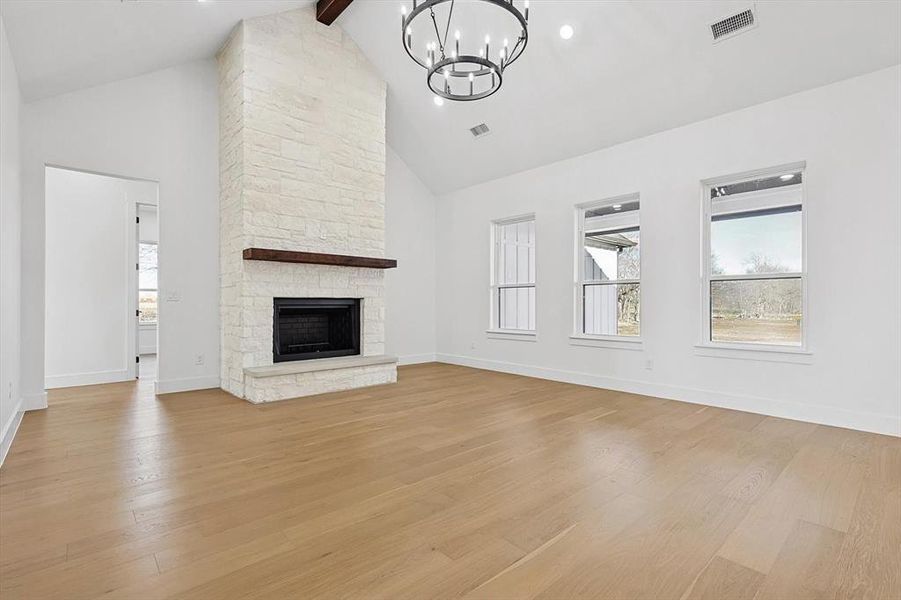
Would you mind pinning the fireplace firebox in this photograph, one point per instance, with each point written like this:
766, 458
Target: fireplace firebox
306, 328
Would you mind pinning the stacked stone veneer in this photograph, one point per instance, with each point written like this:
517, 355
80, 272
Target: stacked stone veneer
302, 167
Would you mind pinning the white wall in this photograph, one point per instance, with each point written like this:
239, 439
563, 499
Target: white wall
162, 127
849, 134
410, 329
89, 267
10, 247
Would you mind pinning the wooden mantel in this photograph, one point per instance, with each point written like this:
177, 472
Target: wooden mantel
316, 258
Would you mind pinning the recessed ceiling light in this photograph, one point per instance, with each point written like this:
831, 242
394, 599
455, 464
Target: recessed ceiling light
566, 32
787, 176
438, 100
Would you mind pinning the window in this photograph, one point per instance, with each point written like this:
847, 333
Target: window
608, 269
513, 279
754, 275
147, 285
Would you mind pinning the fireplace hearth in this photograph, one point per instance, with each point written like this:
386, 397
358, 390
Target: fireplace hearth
309, 328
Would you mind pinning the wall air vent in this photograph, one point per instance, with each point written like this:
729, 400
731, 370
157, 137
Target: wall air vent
480, 130
733, 25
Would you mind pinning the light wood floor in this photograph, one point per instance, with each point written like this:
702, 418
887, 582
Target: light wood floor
455, 482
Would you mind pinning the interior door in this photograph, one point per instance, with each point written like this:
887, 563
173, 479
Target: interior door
136, 330
90, 279
133, 315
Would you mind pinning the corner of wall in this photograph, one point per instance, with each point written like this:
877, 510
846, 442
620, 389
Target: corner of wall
11, 403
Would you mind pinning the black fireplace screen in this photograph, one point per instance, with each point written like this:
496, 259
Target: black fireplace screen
305, 328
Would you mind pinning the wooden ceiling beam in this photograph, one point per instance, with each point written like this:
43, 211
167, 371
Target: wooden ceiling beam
328, 10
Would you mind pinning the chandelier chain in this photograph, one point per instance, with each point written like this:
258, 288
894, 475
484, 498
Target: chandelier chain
450, 16
437, 35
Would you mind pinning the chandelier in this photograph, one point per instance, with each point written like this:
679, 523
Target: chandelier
465, 69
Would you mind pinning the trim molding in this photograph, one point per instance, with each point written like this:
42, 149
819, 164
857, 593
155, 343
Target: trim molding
37, 401
9, 431
811, 413
58, 381
186, 384
416, 359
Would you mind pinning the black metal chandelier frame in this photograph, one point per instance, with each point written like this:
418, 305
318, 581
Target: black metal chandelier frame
442, 70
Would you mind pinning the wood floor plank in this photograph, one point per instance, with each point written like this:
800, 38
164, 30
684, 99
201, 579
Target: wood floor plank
723, 579
454, 482
803, 569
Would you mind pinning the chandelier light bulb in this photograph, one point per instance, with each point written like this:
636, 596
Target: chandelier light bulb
446, 74
403, 10
438, 100
506, 42
487, 39
409, 30
470, 78
457, 34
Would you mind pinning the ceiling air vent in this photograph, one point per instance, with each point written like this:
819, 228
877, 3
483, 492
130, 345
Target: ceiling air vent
741, 22
479, 130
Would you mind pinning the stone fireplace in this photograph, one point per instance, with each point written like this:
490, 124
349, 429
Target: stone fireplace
302, 173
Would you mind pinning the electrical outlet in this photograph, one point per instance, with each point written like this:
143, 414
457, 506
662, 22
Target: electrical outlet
649, 364
198, 360
173, 296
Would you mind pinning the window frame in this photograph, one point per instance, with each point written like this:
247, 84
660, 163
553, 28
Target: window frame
494, 330
579, 337
155, 322
706, 346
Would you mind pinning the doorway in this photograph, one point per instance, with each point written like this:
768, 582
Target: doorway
148, 289
101, 249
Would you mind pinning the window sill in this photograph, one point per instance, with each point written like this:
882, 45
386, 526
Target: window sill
617, 342
752, 352
512, 334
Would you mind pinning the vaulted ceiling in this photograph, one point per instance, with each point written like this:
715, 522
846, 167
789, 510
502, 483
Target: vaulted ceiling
631, 69
65, 45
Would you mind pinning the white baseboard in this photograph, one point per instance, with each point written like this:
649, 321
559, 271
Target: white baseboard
58, 381
9, 431
415, 359
811, 413
187, 384
36, 401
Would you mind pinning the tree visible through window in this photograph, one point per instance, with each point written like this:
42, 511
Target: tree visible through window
609, 285
147, 283
755, 276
